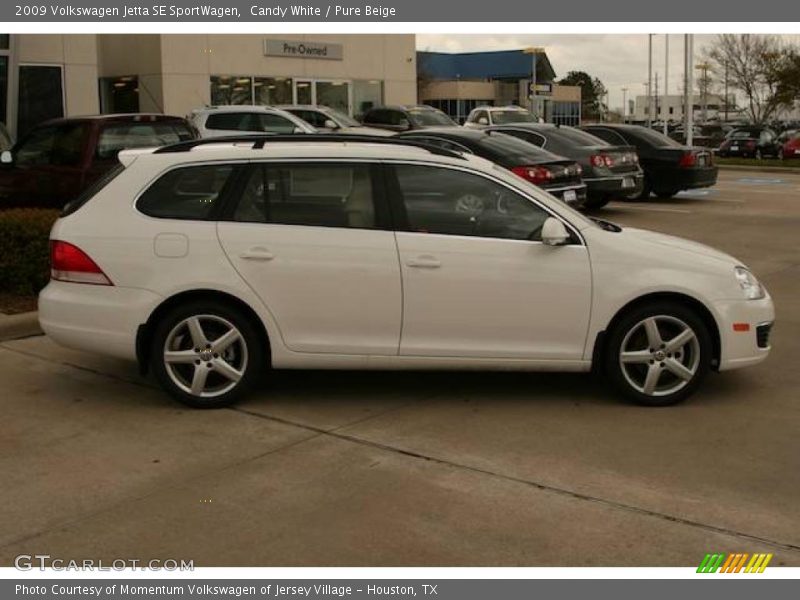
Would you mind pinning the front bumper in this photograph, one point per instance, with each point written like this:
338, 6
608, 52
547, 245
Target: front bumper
614, 185
95, 318
742, 348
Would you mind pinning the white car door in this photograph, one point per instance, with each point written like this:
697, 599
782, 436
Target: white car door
312, 241
476, 280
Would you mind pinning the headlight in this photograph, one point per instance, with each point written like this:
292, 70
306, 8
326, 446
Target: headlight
751, 287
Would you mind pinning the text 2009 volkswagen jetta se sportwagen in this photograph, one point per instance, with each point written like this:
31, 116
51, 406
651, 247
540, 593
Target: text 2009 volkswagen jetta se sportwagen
212, 262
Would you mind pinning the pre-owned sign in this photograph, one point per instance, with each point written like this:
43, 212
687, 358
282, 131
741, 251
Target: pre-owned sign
295, 49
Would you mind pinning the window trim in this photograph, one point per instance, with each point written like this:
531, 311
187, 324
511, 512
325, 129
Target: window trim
401, 219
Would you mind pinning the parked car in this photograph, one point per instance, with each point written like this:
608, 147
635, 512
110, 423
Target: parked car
669, 167
555, 174
750, 142
608, 171
707, 136
406, 118
790, 144
57, 160
217, 121
324, 118
484, 116
211, 268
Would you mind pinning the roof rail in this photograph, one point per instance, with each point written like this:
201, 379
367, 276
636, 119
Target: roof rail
259, 141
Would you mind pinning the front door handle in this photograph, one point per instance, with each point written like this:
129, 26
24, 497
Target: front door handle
423, 262
257, 253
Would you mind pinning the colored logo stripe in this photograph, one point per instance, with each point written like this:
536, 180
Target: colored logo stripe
734, 563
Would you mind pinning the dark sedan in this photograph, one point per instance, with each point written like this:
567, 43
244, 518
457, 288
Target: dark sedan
557, 175
669, 167
750, 142
406, 117
608, 171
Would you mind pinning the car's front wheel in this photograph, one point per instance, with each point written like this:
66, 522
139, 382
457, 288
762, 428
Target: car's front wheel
206, 354
658, 354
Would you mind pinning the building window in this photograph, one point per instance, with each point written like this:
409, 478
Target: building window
231, 89
41, 96
366, 94
565, 113
5, 45
119, 94
672, 110
273, 90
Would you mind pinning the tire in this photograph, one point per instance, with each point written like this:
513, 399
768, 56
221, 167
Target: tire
667, 375
647, 189
199, 374
596, 202
666, 194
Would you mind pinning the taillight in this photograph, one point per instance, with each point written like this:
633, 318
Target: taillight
688, 159
70, 263
535, 175
601, 160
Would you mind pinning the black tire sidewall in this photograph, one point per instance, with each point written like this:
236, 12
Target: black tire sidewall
620, 329
256, 362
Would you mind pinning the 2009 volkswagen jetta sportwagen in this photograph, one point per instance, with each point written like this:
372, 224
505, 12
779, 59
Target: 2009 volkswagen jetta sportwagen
212, 261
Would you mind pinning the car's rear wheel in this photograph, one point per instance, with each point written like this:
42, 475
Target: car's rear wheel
658, 354
207, 354
647, 189
666, 194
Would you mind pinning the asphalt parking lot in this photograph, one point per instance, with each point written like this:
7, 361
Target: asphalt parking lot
430, 469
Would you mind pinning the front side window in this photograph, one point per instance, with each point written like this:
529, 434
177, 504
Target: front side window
453, 202
60, 145
317, 195
188, 193
503, 117
274, 124
429, 118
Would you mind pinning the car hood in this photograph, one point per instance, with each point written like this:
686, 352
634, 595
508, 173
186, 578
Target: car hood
670, 241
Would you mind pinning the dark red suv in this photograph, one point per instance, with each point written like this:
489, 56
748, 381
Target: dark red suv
56, 160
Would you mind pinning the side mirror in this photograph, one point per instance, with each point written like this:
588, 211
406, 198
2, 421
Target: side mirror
298, 129
483, 121
554, 232
330, 124
6, 157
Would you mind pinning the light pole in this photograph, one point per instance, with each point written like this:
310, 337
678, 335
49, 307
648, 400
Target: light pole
649, 79
703, 68
624, 105
534, 51
665, 103
688, 87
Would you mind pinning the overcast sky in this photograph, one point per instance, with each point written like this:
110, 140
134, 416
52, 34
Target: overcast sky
619, 60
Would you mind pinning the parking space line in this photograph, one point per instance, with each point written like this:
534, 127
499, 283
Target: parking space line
654, 209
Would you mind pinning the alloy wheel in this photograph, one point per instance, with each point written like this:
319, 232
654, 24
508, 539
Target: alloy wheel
205, 355
660, 355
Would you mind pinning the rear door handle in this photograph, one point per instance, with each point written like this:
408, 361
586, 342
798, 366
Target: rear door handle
423, 262
257, 254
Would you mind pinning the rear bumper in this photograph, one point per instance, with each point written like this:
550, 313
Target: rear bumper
744, 348
614, 185
678, 179
95, 318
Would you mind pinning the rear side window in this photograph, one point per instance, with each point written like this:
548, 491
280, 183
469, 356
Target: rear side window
119, 136
256, 122
321, 195
60, 145
186, 193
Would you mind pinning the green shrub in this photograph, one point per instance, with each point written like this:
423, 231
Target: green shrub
24, 249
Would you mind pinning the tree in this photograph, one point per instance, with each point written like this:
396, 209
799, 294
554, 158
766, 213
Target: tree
593, 93
763, 67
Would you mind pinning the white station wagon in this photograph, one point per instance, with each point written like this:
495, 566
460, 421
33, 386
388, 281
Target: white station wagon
212, 262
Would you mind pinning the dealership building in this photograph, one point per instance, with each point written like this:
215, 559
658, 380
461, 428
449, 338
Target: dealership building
47, 76
458, 82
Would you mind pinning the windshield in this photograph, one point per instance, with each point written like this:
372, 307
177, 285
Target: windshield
578, 137
426, 117
341, 119
503, 117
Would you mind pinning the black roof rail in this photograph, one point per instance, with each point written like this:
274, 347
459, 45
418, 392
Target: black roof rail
259, 141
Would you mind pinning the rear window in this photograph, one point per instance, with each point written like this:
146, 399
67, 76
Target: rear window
120, 136
250, 121
515, 149
422, 117
654, 138
503, 117
578, 137
188, 193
